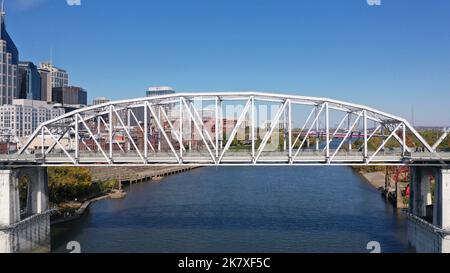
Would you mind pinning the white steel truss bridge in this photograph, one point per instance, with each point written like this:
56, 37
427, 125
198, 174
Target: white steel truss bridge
228, 128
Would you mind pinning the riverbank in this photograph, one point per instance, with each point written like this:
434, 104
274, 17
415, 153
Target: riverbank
391, 190
376, 179
69, 211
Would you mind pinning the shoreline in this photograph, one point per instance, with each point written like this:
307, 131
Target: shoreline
375, 179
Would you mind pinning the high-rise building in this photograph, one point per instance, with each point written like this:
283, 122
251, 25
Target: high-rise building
60, 77
46, 84
23, 117
9, 61
70, 95
29, 81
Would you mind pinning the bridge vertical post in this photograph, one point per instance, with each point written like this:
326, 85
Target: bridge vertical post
145, 131
77, 139
129, 129
349, 126
290, 130
442, 199
9, 198
9, 208
37, 200
317, 129
253, 130
365, 135
159, 131
404, 140
181, 128
43, 143
110, 136
327, 131
420, 190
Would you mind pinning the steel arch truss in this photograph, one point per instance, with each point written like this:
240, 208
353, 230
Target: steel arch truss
227, 128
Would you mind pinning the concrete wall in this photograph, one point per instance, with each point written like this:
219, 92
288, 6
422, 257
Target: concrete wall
425, 238
31, 235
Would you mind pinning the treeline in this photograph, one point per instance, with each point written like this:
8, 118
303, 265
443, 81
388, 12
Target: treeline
70, 183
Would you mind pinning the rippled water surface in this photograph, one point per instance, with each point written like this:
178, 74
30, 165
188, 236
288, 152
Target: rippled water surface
241, 209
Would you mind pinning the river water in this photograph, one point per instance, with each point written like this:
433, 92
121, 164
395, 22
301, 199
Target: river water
241, 209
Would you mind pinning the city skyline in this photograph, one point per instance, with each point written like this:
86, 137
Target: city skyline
399, 51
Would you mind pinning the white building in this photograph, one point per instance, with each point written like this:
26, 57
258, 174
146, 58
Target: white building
60, 77
24, 116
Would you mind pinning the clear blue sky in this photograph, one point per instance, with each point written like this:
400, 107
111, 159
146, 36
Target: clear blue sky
391, 57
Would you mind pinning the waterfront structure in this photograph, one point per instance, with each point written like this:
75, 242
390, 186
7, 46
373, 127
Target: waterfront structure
9, 61
69, 95
59, 76
100, 100
160, 91
29, 81
46, 85
22, 117
94, 135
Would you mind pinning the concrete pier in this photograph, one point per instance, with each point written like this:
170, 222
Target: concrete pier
429, 232
31, 231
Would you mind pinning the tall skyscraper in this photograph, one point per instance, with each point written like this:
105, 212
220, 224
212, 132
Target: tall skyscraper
60, 77
29, 81
46, 84
9, 61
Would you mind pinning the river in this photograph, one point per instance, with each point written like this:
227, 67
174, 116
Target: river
241, 209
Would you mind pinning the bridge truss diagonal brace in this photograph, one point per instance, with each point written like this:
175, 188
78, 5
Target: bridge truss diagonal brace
60, 145
350, 131
441, 139
172, 128
161, 128
144, 160
336, 131
140, 127
108, 160
303, 128
235, 129
203, 125
309, 132
191, 116
107, 128
54, 144
270, 132
385, 142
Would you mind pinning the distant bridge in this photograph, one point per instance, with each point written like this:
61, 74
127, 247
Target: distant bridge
227, 128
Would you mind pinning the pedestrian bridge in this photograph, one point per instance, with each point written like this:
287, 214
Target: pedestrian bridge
224, 128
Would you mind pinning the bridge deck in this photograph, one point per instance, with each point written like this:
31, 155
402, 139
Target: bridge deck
232, 157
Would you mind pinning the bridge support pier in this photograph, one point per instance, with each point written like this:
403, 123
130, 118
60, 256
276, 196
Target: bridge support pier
29, 231
428, 220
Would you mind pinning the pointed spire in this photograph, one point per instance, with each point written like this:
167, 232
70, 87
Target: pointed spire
3, 13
